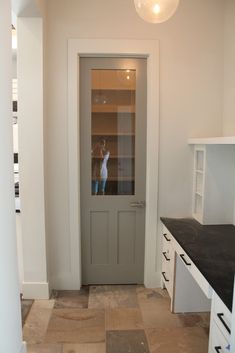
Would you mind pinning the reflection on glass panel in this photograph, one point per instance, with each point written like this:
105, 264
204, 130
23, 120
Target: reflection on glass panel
113, 132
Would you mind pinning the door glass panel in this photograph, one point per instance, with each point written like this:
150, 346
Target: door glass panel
113, 94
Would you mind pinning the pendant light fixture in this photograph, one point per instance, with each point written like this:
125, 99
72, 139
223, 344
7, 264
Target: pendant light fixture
156, 11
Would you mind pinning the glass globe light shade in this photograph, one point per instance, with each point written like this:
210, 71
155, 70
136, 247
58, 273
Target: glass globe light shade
156, 11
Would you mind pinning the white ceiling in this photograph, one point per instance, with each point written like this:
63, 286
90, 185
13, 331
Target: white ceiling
26, 8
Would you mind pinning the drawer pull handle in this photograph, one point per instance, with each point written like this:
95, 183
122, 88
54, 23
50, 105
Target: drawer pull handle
164, 276
165, 236
220, 316
218, 349
164, 254
186, 263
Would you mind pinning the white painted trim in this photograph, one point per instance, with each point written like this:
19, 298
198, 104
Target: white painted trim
23, 348
233, 323
35, 290
112, 47
221, 140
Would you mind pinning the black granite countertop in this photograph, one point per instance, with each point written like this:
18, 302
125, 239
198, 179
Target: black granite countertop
211, 248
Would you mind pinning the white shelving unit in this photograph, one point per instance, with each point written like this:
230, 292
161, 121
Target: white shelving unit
214, 180
199, 182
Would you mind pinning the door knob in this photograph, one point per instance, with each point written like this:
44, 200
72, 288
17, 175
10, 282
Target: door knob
138, 204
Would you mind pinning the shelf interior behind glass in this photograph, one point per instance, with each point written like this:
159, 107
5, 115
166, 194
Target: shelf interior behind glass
113, 132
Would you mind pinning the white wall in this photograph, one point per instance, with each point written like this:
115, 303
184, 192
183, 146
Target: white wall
14, 70
31, 162
229, 69
10, 315
191, 99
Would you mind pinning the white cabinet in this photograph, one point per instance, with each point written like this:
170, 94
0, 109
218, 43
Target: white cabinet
214, 184
220, 326
167, 261
187, 287
193, 270
199, 182
190, 292
218, 343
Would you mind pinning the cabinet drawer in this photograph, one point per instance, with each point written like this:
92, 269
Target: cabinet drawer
218, 343
222, 316
166, 269
167, 263
167, 273
169, 287
199, 278
167, 246
167, 237
167, 280
168, 256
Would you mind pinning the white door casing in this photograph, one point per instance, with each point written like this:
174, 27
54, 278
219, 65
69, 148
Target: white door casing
114, 47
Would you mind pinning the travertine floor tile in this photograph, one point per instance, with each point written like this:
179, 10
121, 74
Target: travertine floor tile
126, 342
150, 299
26, 305
76, 326
192, 320
123, 319
44, 348
84, 348
156, 314
205, 319
179, 340
72, 328
71, 298
37, 321
110, 296
146, 295
155, 307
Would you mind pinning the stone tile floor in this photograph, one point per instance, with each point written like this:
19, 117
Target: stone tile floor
26, 305
113, 319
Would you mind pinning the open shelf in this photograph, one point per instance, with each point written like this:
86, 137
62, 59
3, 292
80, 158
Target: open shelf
198, 186
113, 115
112, 108
110, 80
198, 204
119, 178
113, 134
199, 160
198, 217
113, 99
213, 183
117, 157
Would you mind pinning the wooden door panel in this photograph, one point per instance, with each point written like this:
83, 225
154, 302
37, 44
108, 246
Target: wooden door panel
99, 235
113, 232
126, 237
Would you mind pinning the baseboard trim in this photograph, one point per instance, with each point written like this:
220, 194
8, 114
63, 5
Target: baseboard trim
153, 281
23, 348
35, 290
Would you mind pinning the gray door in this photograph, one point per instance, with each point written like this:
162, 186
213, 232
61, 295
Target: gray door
113, 164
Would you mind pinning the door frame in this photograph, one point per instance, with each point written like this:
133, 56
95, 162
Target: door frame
114, 48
